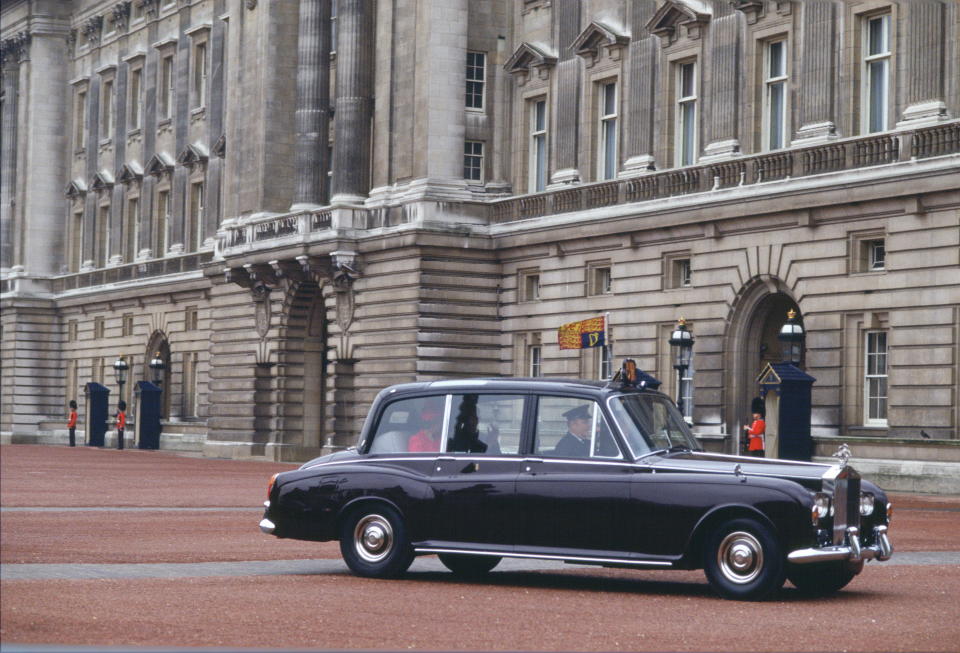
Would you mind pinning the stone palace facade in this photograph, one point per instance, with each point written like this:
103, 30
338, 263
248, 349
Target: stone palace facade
296, 203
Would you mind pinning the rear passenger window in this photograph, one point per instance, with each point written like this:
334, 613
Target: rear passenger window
410, 425
568, 427
484, 424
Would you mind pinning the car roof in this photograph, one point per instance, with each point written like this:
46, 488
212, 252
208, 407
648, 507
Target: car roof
524, 384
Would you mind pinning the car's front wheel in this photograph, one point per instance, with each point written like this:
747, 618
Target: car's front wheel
743, 560
823, 578
469, 566
374, 542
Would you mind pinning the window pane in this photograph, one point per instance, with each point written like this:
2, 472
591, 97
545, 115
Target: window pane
610, 149
688, 113
777, 67
572, 428
686, 80
609, 99
878, 35
878, 95
485, 424
776, 115
540, 112
541, 166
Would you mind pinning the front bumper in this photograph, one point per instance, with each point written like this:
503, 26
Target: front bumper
852, 551
266, 525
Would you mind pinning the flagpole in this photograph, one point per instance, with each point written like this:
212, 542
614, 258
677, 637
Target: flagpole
606, 338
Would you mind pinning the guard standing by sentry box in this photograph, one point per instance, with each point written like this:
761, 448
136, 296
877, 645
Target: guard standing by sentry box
148, 415
98, 401
787, 390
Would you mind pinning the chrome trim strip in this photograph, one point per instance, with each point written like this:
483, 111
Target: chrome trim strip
267, 526
537, 556
752, 459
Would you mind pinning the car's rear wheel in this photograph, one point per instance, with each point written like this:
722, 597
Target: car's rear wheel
466, 565
822, 578
743, 560
374, 542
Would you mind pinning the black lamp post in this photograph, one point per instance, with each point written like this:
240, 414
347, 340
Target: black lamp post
120, 367
791, 339
681, 344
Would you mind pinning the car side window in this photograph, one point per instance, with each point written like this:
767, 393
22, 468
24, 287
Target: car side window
569, 427
410, 425
484, 424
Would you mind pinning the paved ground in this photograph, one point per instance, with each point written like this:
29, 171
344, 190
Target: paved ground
148, 549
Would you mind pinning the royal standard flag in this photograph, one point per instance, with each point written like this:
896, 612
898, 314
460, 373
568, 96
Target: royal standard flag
582, 334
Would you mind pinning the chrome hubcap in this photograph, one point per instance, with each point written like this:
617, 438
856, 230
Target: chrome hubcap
373, 538
740, 557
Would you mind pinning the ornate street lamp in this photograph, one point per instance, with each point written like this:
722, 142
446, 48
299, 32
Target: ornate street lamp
791, 339
157, 365
120, 367
681, 344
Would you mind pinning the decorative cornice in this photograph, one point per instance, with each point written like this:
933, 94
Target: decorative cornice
92, 29
159, 164
193, 154
76, 188
15, 49
130, 173
120, 15
675, 13
220, 147
150, 7
595, 36
528, 56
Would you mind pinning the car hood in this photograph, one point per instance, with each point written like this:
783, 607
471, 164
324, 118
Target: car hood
807, 474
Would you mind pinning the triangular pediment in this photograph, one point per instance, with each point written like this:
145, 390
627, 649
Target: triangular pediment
193, 154
675, 13
76, 188
595, 36
528, 56
103, 180
159, 164
130, 173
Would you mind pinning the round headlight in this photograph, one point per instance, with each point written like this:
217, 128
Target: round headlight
866, 504
821, 506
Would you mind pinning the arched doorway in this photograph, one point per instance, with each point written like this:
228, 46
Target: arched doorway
756, 317
301, 373
159, 347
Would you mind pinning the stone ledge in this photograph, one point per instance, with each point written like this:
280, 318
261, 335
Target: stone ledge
889, 448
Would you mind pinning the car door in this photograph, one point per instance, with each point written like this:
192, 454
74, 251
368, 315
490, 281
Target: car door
573, 504
474, 478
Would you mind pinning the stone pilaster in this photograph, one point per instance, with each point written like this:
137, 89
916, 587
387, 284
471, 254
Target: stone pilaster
723, 95
313, 101
566, 15
8, 151
638, 126
924, 44
354, 103
818, 121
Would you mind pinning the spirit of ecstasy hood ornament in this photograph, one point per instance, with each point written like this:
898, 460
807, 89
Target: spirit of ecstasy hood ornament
843, 454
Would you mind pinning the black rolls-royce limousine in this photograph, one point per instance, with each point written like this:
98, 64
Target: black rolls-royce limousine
589, 472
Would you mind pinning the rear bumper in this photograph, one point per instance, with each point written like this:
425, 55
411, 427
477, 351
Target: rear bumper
852, 551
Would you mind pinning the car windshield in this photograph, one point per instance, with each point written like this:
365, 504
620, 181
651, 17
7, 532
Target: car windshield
651, 423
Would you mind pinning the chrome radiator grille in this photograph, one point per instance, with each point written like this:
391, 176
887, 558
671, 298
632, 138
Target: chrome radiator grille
846, 502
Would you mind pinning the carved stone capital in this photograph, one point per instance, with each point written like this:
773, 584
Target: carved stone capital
120, 14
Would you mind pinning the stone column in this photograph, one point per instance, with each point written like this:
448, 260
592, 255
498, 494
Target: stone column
354, 103
924, 45
818, 120
723, 95
10, 56
566, 14
313, 103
